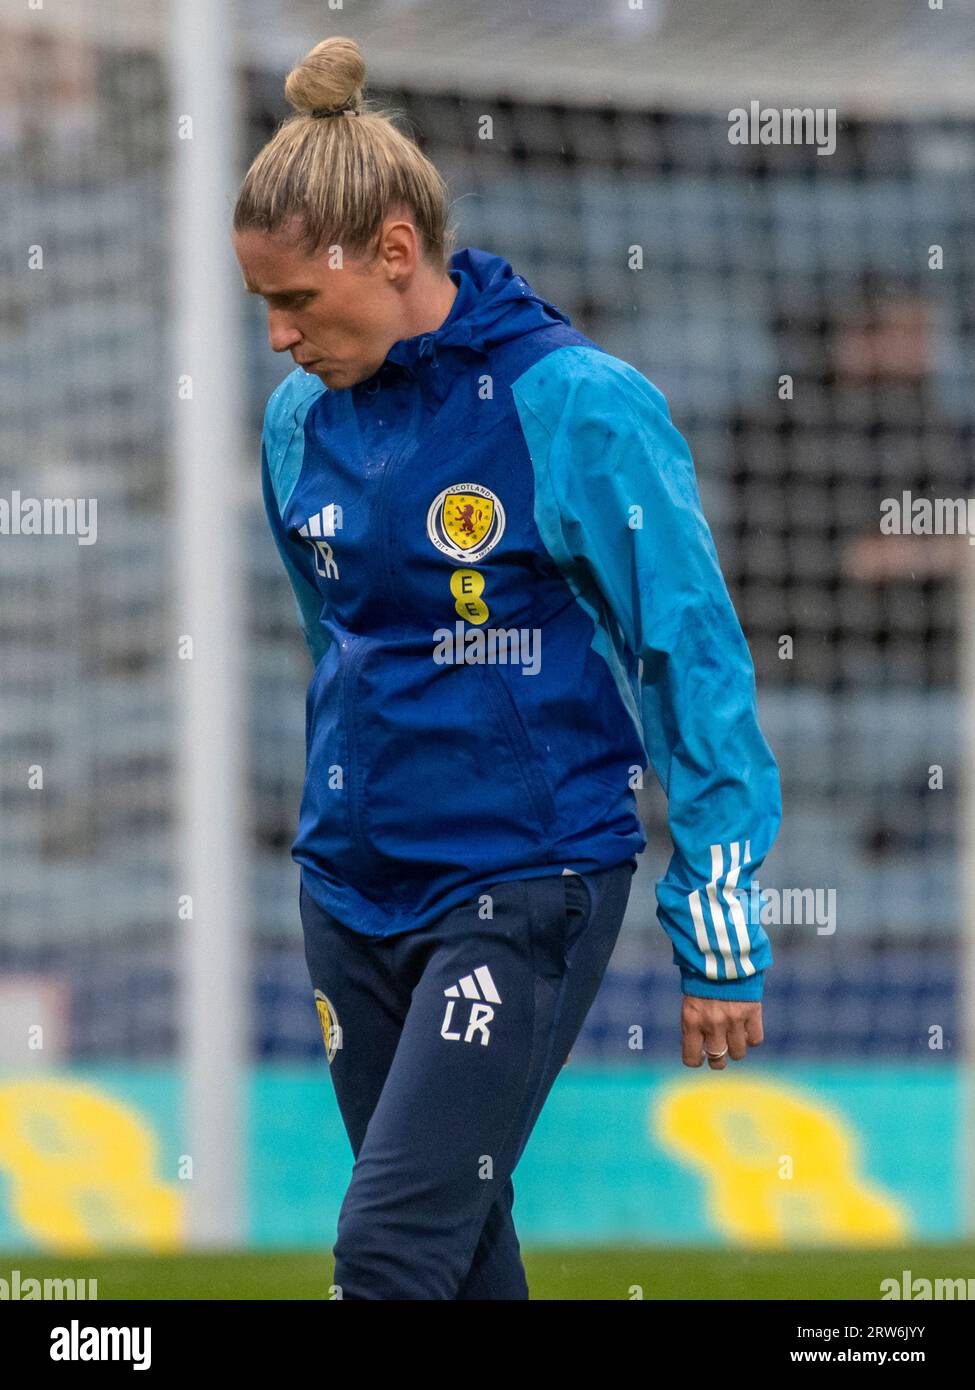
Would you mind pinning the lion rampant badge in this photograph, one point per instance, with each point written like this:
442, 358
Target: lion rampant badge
465, 521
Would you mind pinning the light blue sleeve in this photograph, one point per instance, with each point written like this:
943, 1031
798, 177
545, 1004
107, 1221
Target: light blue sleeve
618, 508
282, 453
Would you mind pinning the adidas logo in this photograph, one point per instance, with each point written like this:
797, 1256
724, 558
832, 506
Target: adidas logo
477, 987
316, 528
468, 988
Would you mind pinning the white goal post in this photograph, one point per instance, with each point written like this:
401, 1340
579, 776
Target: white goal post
208, 588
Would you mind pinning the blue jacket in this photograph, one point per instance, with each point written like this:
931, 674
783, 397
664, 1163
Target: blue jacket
514, 605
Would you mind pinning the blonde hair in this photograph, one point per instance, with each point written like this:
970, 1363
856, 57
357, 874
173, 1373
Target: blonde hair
339, 176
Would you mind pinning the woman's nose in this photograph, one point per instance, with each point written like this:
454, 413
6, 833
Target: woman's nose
281, 335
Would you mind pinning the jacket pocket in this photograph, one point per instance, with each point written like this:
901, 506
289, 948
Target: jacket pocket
441, 769
329, 812
516, 736
578, 910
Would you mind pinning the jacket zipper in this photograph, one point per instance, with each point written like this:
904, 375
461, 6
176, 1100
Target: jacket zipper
395, 460
355, 661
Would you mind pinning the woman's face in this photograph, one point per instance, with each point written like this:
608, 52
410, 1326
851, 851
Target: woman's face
338, 321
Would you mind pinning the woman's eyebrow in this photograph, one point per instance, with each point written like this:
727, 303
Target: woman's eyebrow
280, 294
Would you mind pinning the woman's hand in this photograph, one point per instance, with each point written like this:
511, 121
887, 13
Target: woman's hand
728, 1027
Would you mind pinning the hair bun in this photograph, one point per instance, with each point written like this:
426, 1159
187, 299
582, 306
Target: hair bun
332, 74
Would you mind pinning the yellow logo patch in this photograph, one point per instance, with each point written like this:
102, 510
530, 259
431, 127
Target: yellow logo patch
467, 586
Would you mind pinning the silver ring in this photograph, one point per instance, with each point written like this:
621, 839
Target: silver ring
714, 1055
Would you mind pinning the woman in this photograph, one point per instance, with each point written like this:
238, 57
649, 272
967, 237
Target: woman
514, 604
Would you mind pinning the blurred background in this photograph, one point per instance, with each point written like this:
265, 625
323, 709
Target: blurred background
809, 318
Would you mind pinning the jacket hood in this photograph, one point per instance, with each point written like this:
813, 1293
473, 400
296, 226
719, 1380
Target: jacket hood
492, 305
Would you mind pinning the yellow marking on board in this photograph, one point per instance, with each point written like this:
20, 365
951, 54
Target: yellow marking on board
82, 1169
736, 1134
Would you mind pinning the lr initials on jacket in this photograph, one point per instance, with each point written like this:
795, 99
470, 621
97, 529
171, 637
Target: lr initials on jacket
323, 523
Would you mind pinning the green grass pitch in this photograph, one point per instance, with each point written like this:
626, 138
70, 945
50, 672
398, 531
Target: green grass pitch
662, 1273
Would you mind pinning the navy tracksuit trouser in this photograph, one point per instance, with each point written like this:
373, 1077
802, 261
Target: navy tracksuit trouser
445, 1043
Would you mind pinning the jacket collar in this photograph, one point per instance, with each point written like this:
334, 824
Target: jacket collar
492, 304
